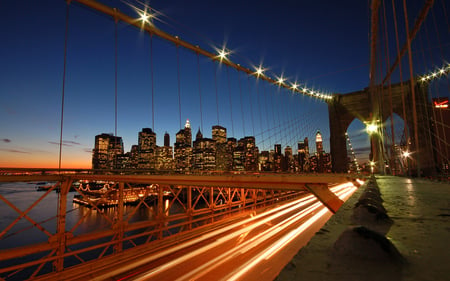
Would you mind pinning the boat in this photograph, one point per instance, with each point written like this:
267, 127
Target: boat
44, 186
108, 197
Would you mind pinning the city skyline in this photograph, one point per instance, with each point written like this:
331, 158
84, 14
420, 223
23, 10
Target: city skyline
221, 153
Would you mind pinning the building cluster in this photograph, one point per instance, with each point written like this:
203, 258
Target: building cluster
218, 153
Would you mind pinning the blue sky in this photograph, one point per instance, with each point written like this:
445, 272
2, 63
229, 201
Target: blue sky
321, 44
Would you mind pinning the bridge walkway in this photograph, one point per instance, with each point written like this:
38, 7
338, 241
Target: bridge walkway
417, 226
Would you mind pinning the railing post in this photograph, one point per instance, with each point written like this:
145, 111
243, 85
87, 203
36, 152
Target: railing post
189, 206
161, 211
211, 203
243, 198
118, 220
60, 235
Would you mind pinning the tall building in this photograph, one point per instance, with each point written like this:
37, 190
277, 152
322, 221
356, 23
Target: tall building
223, 158
106, 151
277, 158
164, 158
147, 149
250, 160
219, 134
303, 155
319, 143
264, 163
288, 159
204, 153
183, 149
166, 139
320, 153
231, 147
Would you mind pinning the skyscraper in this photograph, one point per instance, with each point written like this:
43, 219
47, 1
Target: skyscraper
319, 145
183, 149
219, 134
147, 149
106, 151
166, 139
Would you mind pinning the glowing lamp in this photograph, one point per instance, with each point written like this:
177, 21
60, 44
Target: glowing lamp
371, 128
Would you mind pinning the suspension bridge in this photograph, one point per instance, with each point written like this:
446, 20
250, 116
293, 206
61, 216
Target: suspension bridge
191, 210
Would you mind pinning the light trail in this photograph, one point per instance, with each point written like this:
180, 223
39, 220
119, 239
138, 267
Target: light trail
223, 239
237, 274
199, 239
342, 191
251, 244
284, 241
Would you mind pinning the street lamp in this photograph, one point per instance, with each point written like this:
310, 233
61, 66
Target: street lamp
372, 164
371, 128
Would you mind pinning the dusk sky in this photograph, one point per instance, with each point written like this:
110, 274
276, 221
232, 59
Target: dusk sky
323, 45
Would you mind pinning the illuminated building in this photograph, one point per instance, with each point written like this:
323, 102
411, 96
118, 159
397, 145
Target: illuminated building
277, 158
250, 157
264, 163
303, 155
147, 149
164, 158
219, 134
223, 156
288, 160
183, 149
106, 151
204, 153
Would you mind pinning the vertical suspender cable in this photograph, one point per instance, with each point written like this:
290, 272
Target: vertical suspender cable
413, 94
242, 103
115, 74
217, 94
152, 80
251, 105
231, 103
200, 91
260, 113
179, 86
405, 123
389, 82
448, 84
63, 85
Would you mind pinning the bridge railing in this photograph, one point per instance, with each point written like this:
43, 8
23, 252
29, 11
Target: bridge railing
91, 216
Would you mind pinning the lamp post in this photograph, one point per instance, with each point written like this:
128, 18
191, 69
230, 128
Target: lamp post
373, 129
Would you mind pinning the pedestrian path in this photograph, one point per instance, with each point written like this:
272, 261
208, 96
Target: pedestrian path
410, 243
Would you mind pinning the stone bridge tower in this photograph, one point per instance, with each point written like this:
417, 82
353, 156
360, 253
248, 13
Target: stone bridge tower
343, 109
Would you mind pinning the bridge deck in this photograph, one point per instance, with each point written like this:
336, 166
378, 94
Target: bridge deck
420, 213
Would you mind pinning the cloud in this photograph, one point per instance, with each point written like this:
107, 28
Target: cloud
72, 142
65, 143
88, 150
6, 140
15, 151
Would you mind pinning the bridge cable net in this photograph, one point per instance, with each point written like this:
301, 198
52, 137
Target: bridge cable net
421, 106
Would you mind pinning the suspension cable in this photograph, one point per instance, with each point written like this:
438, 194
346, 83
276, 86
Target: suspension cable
179, 83
200, 90
66, 35
231, 102
153, 82
405, 122
242, 103
413, 94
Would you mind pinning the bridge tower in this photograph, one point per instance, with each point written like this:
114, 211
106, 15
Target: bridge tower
343, 109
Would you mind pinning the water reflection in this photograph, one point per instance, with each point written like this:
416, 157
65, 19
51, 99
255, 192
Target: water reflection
79, 219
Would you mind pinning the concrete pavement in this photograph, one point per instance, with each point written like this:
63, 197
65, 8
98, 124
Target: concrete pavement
398, 233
